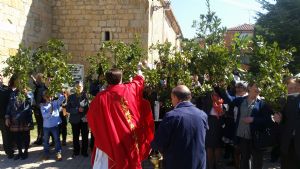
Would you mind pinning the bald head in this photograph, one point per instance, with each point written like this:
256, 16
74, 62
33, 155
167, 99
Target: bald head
182, 92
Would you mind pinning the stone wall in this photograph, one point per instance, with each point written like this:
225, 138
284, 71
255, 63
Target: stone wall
82, 24
26, 21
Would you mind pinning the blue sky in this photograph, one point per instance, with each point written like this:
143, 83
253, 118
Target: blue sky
232, 12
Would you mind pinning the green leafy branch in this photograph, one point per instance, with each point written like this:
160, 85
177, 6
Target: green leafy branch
269, 68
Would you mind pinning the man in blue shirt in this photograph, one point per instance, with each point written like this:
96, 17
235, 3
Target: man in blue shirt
181, 135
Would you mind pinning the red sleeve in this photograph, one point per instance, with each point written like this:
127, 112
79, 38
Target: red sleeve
137, 85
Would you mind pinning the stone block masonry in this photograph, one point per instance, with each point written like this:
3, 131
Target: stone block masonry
82, 24
27, 21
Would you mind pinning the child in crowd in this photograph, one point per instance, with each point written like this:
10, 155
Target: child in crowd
51, 121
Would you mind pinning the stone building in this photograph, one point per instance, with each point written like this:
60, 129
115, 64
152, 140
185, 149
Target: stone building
244, 31
84, 24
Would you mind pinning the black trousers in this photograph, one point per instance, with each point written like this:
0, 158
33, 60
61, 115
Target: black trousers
290, 160
92, 140
22, 139
39, 121
77, 129
249, 152
7, 138
63, 126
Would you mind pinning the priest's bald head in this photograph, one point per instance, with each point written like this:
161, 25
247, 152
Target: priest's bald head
114, 76
179, 94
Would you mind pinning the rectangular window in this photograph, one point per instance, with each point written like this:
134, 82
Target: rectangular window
107, 36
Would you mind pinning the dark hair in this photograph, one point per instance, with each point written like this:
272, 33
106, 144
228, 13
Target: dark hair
242, 85
79, 83
289, 80
113, 76
183, 95
46, 93
12, 80
252, 83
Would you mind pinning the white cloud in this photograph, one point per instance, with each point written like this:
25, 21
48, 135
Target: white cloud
254, 6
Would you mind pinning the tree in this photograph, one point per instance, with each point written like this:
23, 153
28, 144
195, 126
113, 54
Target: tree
213, 58
281, 24
268, 68
117, 54
21, 65
49, 59
209, 29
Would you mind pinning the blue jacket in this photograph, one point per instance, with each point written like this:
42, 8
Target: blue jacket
181, 137
51, 115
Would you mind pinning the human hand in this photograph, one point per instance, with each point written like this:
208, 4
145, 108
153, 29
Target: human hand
277, 117
247, 120
80, 109
7, 122
32, 77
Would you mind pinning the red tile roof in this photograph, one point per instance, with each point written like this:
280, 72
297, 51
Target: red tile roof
244, 27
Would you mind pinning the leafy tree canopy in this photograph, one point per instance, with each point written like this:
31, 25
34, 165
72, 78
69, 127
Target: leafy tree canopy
49, 59
281, 24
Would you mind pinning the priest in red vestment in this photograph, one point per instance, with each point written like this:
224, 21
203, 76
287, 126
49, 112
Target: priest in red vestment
122, 124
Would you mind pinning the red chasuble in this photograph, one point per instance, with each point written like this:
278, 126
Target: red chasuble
122, 124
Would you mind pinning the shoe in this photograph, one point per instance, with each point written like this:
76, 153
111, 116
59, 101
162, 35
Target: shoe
17, 157
45, 157
58, 156
38, 142
24, 155
85, 154
10, 156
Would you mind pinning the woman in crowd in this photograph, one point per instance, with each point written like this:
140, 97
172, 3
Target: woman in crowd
240, 90
77, 106
212, 105
40, 87
19, 117
64, 118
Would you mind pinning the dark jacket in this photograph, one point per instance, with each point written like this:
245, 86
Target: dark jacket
4, 99
73, 105
38, 93
291, 122
19, 112
181, 138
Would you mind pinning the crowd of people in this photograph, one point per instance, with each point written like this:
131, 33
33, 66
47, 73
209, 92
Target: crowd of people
192, 135
51, 115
